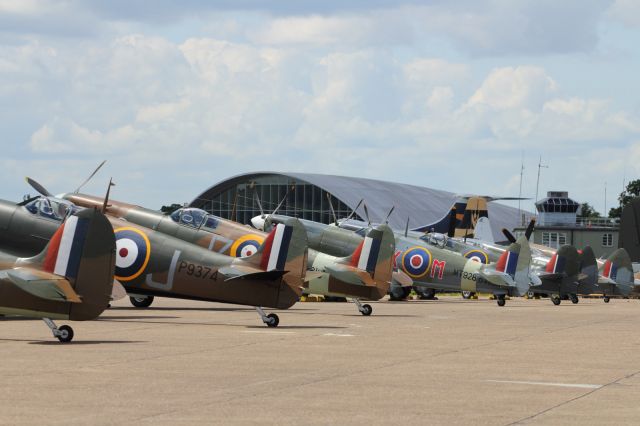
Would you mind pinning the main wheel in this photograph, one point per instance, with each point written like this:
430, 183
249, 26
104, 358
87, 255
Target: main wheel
366, 310
426, 293
501, 301
141, 301
273, 320
556, 300
468, 294
574, 299
65, 334
606, 299
399, 293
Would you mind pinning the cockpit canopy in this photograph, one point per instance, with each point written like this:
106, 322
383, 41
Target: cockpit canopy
436, 239
194, 218
51, 208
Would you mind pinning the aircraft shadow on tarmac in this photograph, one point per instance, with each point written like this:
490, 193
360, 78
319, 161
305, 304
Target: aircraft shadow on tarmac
75, 342
166, 308
131, 317
141, 320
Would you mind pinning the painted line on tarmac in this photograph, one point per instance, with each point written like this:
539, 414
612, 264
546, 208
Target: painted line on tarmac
563, 385
338, 335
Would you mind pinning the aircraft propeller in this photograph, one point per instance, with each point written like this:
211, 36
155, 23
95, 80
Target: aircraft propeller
353, 212
366, 214
386, 220
527, 233
406, 228
451, 232
90, 176
39, 188
333, 212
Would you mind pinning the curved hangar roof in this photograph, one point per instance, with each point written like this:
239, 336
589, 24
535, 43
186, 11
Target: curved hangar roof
421, 205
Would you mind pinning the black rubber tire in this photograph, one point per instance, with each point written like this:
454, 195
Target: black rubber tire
366, 310
556, 300
399, 293
501, 301
468, 294
273, 320
66, 334
606, 299
141, 302
574, 299
426, 293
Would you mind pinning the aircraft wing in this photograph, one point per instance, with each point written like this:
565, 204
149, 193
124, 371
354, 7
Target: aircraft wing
43, 285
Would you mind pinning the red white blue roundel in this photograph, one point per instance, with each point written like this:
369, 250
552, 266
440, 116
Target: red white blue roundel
246, 245
478, 256
416, 262
132, 253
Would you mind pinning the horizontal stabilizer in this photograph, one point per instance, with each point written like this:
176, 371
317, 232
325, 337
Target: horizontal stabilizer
350, 275
498, 278
234, 273
43, 285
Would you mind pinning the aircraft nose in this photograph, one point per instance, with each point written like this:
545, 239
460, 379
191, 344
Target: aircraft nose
258, 222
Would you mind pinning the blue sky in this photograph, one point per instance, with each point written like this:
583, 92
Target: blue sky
449, 96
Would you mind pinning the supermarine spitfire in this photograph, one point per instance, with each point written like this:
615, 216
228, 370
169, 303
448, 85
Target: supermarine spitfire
71, 279
363, 272
150, 263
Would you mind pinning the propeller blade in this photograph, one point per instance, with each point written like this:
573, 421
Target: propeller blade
386, 220
451, 232
333, 212
530, 229
366, 214
89, 178
509, 235
41, 189
406, 228
283, 200
257, 198
353, 212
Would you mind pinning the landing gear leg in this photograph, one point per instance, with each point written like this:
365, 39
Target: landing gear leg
271, 320
64, 333
365, 309
500, 299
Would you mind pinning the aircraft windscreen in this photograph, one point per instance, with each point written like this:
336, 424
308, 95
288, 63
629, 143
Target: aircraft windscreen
212, 222
190, 217
51, 208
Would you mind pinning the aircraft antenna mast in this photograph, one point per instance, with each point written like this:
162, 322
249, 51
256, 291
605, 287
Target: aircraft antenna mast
520, 192
540, 166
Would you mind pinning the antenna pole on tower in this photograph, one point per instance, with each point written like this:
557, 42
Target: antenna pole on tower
540, 166
520, 192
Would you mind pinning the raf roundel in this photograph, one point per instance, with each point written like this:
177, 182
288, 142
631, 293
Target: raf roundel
416, 262
132, 253
478, 256
246, 245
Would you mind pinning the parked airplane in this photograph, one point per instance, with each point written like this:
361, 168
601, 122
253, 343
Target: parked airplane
337, 276
71, 279
150, 263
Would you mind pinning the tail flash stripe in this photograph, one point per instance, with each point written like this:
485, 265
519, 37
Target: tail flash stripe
364, 254
373, 255
51, 257
71, 246
280, 248
610, 270
66, 242
508, 263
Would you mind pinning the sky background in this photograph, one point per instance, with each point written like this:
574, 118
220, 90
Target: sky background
448, 95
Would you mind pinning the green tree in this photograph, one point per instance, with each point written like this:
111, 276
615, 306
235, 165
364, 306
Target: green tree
631, 191
586, 210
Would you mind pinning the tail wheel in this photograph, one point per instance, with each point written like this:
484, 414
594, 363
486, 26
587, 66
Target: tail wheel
574, 299
141, 302
500, 300
65, 334
606, 299
556, 300
273, 320
366, 310
468, 294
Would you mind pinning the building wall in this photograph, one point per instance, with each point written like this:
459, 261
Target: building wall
580, 237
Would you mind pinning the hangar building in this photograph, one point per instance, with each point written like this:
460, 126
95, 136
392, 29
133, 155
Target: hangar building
305, 196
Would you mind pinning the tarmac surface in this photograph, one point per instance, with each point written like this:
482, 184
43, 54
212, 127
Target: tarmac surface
450, 361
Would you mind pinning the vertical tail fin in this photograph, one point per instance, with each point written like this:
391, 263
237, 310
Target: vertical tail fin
516, 262
565, 261
375, 254
83, 251
284, 249
619, 270
588, 266
630, 229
